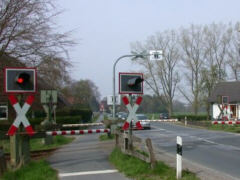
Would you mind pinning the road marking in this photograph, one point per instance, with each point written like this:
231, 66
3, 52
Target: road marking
88, 173
201, 139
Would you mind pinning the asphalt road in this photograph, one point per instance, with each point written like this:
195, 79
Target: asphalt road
216, 150
85, 159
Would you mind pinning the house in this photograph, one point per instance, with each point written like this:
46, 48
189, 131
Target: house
7, 61
225, 101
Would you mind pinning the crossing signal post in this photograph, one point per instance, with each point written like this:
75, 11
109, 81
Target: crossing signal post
20, 81
131, 83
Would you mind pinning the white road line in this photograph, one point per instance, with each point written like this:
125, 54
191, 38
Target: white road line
88, 173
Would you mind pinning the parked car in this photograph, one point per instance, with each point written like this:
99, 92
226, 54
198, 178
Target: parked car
164, 116
145, 125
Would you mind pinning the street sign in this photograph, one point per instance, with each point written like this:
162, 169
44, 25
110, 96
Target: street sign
117, 100
49, 96
3, 112
156, 55
132, 113
130, 83
21, 115
20, 80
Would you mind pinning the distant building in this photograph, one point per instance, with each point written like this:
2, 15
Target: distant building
230, 93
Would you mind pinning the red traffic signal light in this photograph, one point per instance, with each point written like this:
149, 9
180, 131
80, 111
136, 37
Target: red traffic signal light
23, 78
20, 80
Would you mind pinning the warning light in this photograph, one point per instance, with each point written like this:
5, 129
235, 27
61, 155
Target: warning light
23, 78
20, 80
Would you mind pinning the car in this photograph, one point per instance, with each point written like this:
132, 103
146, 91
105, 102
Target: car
122, 115
145, 124
164, 116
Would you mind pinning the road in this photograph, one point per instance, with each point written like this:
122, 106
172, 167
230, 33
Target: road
213, 149
85, 159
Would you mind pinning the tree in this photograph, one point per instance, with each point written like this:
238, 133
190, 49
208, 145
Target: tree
28, 33
233, 52
193, 56
217, 41
162, 77
85, 94
209, 80
55, 73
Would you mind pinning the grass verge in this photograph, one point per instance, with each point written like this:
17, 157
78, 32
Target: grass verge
37, 144
35, 170
140, 170
227, 128
105, 137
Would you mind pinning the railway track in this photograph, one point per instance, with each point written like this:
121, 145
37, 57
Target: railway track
36, 154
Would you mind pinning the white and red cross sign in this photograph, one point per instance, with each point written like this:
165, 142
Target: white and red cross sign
21, 115
132, 113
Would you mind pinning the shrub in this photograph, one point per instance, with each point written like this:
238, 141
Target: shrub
191, 117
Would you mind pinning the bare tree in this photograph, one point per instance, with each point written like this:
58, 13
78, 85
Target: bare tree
217, 41
84, 93
162, 76
193, 55
54, 71
28, 33
233, 52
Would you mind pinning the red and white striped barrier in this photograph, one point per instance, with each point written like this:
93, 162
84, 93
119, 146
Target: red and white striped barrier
21, 115
81, 125
77, 132
226, 122
159, 120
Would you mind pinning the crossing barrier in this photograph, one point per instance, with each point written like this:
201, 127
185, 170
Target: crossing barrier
159, 120
226, 122
81, 125
77, 132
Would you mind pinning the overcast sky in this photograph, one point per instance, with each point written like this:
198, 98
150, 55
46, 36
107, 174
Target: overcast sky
104, 29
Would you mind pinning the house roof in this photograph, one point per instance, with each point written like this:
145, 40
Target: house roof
230, 89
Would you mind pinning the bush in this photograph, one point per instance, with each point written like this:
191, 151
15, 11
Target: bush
86, 114
191, 117
69, 119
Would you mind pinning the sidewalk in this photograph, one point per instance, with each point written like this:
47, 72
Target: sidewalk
85, 159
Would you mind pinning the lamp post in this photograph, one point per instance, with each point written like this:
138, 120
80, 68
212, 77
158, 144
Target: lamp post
114, 69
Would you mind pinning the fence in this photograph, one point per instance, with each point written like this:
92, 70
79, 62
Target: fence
136, 147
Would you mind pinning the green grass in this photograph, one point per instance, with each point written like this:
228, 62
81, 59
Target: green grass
35, 170
37, 144
105, 137
140, 170
227, 128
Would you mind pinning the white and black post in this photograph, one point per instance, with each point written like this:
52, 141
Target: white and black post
179, 157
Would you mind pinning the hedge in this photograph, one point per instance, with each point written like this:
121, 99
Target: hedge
86, 114
191, 117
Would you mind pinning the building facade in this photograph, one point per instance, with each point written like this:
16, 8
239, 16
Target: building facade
225, 101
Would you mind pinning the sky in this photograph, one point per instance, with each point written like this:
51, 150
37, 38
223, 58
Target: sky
104, 29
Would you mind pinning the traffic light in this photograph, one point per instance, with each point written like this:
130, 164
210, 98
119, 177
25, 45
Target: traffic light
20, 80
130, 83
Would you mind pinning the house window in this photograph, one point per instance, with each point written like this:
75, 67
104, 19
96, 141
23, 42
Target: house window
3, 112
